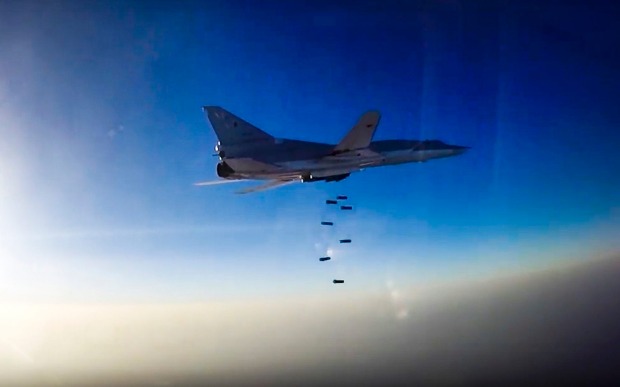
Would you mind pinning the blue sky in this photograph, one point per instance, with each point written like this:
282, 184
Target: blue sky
103, 137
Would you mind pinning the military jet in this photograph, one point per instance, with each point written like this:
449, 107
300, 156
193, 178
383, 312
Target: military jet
248, 153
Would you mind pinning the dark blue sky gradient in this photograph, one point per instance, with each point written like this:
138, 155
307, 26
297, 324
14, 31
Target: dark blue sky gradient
532, 86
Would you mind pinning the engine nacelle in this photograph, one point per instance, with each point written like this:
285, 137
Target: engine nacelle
311, 178
337, 177
224, 170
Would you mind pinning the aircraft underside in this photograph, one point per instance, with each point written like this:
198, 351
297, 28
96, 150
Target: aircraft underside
317, 170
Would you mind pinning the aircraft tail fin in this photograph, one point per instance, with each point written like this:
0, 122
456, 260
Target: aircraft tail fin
232, 130
361, 135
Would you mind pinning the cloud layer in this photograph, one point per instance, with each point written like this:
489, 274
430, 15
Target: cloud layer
557, 325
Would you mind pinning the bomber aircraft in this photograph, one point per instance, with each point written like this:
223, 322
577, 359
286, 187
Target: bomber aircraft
248, 153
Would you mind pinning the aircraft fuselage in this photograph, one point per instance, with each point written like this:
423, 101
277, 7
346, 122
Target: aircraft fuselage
308, 159
248, 153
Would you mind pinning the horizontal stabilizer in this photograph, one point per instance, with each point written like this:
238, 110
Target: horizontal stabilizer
269, 185
361, 135
216, 182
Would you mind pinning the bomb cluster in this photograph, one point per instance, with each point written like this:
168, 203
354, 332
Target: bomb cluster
341, 201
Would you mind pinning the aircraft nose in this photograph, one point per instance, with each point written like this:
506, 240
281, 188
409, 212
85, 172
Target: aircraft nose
458, 149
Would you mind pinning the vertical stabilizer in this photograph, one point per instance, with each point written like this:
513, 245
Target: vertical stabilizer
232, 130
